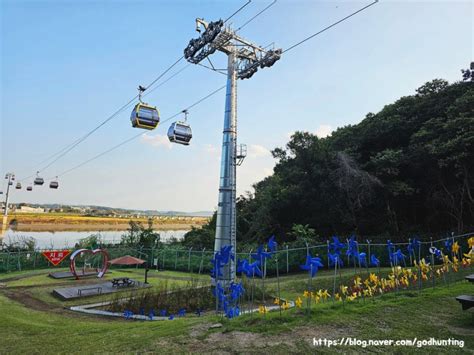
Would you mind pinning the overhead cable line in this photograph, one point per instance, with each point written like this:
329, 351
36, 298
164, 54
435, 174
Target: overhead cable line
254, 17
236, 12
70, 147
137, 135
330, 26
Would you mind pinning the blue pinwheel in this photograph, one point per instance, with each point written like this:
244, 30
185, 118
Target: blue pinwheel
163, 313
336, 246
128, 314
448, 244
261, 254
335, 259
362, 259
254, 269
398, 257
436, 252
352, 248
391, 249
232, 312
413, 246
312, 265
272, 245
236, 290
142, 311
374, 261
182, 312
151, 314
171, 317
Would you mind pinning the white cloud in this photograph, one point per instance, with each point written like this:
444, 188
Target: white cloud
323, 131
211, 149
257, 151
156, 141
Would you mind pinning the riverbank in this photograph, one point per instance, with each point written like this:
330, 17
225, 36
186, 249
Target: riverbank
51, 222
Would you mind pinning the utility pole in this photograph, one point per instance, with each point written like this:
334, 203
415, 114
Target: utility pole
10, 177
243, 60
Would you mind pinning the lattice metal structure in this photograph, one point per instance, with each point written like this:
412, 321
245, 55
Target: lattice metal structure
244, 59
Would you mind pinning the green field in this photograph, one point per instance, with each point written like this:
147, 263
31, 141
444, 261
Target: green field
33, 321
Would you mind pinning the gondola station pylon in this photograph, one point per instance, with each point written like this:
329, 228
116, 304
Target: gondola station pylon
243, 59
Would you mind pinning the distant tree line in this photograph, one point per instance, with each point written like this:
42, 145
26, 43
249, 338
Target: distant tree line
409, 169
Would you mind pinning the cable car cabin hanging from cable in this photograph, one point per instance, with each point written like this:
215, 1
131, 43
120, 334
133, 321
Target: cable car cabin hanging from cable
38, 180
143, 115
53, 184
180, 132
29, 188
18, 186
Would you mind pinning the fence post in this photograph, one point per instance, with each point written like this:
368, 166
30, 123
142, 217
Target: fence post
189, 259
327, 242
202, 258
432, 263
287, 260
368, 252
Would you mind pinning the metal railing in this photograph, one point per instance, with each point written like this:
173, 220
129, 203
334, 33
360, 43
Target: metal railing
169, 257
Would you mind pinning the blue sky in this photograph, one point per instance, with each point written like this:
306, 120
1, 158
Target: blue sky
68, 65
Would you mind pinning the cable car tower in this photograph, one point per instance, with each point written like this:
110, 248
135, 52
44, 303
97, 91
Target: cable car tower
244, 58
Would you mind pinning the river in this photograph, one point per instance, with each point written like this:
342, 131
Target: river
60, 240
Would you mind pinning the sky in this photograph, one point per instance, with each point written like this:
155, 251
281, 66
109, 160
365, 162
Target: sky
66, 66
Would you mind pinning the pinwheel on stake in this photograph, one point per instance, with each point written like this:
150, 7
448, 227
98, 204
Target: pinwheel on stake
312, 265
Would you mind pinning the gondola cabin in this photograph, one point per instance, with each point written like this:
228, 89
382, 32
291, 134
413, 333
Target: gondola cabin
18, 186
29, 188
53, 185
38, 181
145, 116
180, 132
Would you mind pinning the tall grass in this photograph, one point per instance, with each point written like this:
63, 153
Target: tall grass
193, 296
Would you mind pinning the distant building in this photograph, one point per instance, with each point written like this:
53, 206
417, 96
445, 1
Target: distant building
28, 209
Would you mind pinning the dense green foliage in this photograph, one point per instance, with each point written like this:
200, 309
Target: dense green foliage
141, 236
407, 169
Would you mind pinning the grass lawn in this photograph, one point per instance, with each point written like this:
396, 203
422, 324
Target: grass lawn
432, 313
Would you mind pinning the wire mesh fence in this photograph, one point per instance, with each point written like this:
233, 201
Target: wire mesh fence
286, 259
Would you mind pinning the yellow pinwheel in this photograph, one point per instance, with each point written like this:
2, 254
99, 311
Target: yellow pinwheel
338, 297
285, 305
276, 301
262, 309
325, 295
352, 297
299, 302
306, 294
357, 282
343, 289
470, 242
455, 247
373, 278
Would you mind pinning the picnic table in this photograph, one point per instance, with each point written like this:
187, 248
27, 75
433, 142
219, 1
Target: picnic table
122, 281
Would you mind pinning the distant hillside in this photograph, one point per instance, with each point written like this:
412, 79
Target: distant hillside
111, 210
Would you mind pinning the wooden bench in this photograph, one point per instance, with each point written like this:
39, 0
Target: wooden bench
466, 301
99, 290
